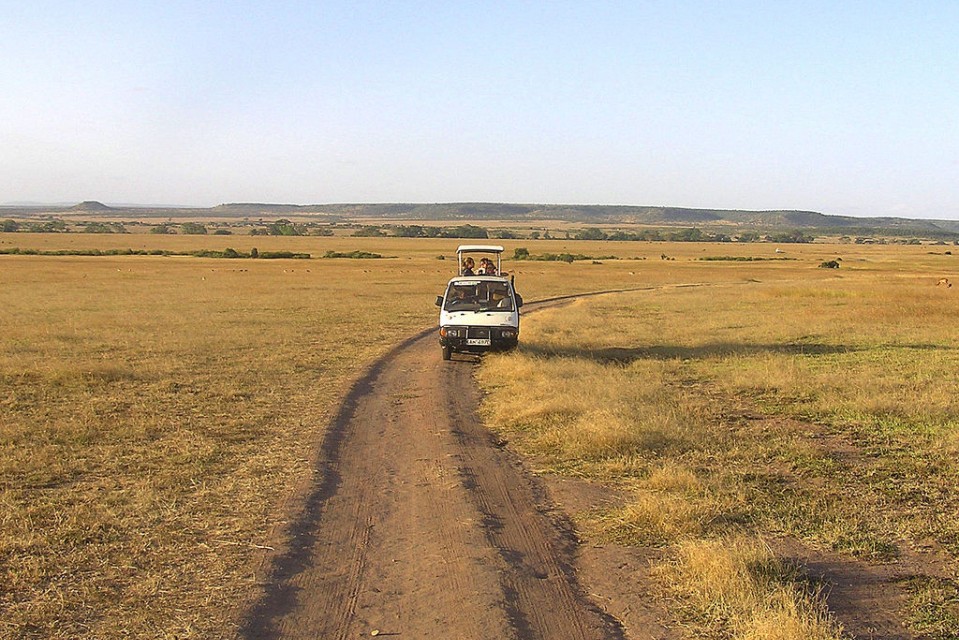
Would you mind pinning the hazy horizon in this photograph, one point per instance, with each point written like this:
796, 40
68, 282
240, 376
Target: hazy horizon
843, 109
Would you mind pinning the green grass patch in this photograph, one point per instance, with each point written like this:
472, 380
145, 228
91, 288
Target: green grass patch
934, 607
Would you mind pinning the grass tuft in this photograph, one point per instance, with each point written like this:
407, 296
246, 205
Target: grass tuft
738, 588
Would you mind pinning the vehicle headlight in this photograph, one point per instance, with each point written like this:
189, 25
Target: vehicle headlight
509, 333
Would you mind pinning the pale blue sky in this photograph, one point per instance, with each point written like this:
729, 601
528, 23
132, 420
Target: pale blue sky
840, 107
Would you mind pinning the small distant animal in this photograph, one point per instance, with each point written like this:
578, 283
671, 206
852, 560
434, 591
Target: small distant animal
944, 282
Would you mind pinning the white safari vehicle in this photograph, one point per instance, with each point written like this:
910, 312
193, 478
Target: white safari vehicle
480, 310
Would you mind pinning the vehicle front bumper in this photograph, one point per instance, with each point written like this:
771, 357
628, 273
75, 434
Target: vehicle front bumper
467, 339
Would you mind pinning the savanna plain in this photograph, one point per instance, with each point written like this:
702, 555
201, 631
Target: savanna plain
762, 432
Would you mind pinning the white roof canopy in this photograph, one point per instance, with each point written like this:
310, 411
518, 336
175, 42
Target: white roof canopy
479, 248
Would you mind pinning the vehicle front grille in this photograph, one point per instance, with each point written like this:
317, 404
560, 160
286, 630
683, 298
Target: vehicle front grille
478, 332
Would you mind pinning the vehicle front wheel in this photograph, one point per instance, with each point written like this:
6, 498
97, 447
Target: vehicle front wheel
447, 353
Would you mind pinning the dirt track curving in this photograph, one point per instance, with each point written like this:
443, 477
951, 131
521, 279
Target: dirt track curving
420, 525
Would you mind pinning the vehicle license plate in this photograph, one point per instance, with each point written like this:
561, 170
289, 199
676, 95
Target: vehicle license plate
477, 342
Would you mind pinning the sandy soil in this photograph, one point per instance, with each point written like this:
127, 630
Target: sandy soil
419, 524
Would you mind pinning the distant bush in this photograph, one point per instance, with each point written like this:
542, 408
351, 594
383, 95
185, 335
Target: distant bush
89, 252
10, 226
284, 227
521, 253
369, 232
223, 232
226, 253
791, 237
193, 229
104, 227
591, 233
362, 255
741, 258
231, 253
273, 255
464, 231
162, 229
50, 226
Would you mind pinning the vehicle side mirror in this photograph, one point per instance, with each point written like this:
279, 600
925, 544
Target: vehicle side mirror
519, 300
439, 301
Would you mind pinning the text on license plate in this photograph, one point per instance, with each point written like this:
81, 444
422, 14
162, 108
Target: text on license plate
477, 342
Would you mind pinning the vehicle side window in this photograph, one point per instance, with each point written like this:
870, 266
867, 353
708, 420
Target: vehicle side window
499, 297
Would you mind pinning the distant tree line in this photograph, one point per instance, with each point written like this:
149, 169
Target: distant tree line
286, 227
691, 234
45, 226
590, 233
419, 231
522, 253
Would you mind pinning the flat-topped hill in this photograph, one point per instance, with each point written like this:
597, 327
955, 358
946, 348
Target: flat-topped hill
91, 205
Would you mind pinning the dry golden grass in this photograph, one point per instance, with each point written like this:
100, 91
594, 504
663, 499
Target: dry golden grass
158, 411
155, 412
764, 401
737, 588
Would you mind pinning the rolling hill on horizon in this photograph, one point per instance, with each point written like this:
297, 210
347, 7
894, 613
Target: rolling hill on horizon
488, 211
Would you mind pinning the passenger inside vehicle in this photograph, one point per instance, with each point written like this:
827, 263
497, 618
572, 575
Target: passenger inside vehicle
479, 296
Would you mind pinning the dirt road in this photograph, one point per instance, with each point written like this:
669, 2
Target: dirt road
420, 525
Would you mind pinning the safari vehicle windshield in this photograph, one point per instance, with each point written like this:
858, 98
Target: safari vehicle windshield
476, 295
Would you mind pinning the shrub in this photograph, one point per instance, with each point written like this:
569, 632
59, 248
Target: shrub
465, 231
284, 228
369, 232
363, 255
193, 229
271, 255
590, 233
104, 227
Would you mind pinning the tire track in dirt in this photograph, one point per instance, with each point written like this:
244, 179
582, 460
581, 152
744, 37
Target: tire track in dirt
417, 524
